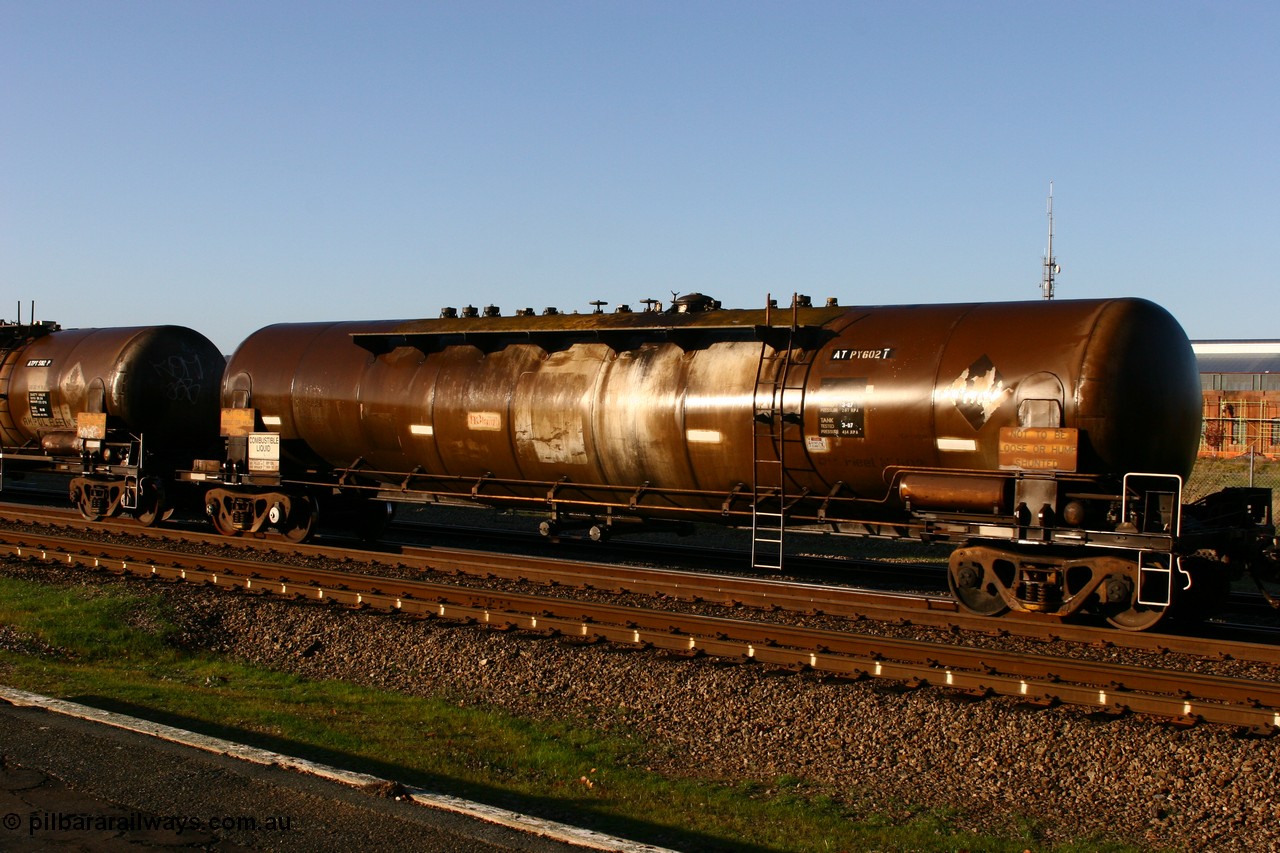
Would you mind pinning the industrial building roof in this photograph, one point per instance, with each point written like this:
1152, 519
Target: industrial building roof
1237, 356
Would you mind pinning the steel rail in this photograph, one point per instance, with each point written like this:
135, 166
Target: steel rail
1180, 696
904, 609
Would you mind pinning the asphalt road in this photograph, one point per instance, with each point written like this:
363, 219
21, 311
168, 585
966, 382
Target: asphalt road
71, 784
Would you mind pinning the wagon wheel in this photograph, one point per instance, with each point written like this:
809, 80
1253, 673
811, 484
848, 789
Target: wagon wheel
974, 586
302, 520
1263, 578
219, 518
222, 526
1121, 608
1139, 617
152, 506
80, 497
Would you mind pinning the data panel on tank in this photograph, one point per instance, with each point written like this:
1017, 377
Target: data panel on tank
842, 411
41, 408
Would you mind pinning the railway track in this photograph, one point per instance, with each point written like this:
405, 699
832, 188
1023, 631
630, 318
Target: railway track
1242, 642
436, 526
957, 666
834, 561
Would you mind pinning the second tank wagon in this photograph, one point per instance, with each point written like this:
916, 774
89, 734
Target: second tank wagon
1008, 427
117, 408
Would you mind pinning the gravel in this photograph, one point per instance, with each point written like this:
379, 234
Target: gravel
997, 765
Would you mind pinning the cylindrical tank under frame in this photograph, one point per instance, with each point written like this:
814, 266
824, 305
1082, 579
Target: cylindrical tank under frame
122, 402
629, 399
882, 420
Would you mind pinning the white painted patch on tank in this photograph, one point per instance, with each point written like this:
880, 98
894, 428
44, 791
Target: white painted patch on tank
484, 421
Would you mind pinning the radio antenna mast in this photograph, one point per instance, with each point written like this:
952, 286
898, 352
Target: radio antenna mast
1051, 268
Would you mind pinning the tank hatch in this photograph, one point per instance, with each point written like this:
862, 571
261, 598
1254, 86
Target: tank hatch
689, 330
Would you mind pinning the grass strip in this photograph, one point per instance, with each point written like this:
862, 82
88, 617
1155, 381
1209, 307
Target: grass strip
113, 648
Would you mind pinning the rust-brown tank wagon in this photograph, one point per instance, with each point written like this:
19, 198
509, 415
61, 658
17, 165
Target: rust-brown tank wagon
118, 407
623, 400
1055, 429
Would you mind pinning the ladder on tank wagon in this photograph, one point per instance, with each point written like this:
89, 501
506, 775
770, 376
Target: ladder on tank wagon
776, 413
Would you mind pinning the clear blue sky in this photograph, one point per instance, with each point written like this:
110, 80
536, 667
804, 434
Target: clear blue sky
226, 165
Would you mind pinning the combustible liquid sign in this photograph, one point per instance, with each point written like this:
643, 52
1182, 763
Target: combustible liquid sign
1039, 448
264, 452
